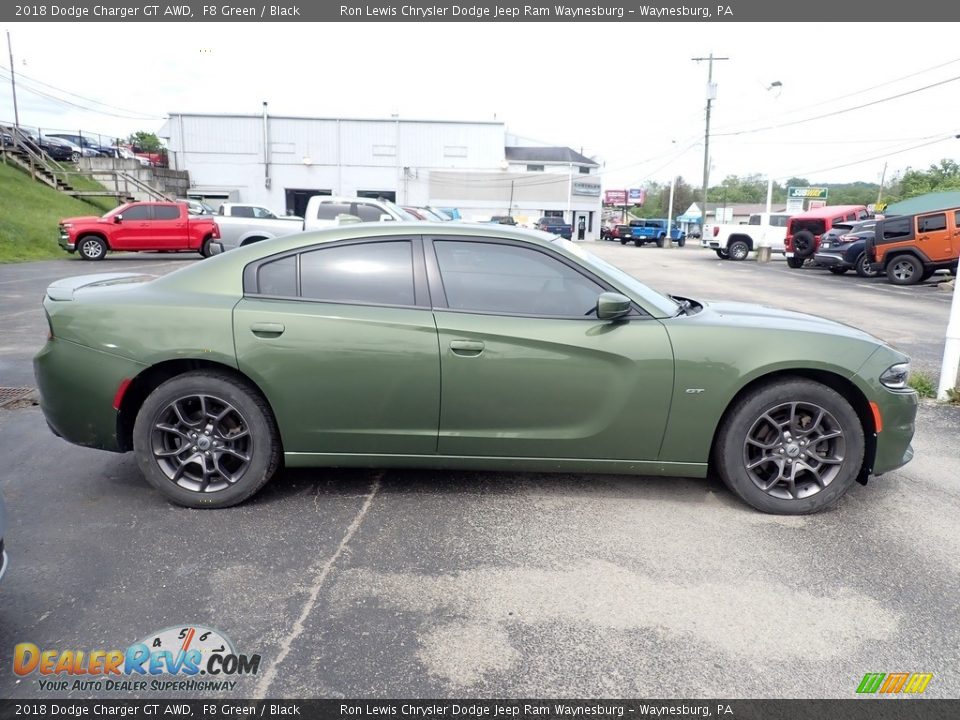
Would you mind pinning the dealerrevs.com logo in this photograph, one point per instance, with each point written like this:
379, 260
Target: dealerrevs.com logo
202, 659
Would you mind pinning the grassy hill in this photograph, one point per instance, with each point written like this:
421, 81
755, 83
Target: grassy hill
29, 213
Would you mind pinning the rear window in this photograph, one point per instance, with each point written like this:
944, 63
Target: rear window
897, 228
815, 225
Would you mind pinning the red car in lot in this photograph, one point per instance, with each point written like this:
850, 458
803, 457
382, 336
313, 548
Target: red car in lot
139, 226
804, 230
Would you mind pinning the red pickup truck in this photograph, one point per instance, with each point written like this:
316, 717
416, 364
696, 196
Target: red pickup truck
139, 226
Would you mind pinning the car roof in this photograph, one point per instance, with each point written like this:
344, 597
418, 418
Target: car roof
827, 211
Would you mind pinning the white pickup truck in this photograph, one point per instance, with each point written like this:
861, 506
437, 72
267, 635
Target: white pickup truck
735, 242
242, 224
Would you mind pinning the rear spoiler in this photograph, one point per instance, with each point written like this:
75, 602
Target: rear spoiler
65, 289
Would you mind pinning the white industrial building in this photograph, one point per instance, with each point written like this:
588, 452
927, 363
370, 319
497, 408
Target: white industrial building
475, 167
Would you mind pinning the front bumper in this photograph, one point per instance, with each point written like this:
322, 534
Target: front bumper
898, 411
66, 243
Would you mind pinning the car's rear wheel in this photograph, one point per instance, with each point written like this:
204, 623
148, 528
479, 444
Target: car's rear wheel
92, 248
722, 254
623, 241
905, 270
205, 247
862, 267
205, 439
74, 157
790, 448
738, 250
660, 241
795, 262
838, 270
682, 241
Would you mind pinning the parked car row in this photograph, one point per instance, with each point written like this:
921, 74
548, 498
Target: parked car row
643, 231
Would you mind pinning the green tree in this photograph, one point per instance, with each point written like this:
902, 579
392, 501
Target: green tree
941, 176
145, 141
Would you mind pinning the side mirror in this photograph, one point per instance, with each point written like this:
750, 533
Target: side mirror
386, 218
118, 218
611, 306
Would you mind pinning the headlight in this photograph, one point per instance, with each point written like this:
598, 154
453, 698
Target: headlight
66, 226
895, 377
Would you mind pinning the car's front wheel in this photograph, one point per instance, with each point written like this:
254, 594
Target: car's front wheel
206, 439
790, 448
92, 248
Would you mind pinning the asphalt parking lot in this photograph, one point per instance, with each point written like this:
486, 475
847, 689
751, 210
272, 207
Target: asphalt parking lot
462, 584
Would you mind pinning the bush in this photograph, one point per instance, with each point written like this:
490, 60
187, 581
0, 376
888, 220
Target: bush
923, 384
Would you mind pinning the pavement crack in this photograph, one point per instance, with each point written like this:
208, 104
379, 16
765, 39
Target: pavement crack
320, 577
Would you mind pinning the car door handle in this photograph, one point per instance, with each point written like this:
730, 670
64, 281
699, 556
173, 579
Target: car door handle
267, 329
466, 348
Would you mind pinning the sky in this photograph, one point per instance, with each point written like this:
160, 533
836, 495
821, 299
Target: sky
628, 94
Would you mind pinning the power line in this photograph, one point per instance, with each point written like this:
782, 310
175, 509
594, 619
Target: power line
63, 101
869, 159
839, 112
76, 95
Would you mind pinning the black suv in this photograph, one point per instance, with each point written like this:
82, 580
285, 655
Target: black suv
843, 248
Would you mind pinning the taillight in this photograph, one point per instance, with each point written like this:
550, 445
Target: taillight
216, 231
716, 230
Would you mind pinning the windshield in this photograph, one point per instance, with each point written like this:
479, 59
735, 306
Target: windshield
664, 305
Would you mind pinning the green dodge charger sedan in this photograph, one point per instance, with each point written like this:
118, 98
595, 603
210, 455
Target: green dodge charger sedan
461, 346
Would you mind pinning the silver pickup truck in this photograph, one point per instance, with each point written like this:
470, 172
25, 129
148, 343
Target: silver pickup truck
242, 224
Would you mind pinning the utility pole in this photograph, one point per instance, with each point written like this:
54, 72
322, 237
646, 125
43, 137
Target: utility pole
883, 177
711, 94
13, 87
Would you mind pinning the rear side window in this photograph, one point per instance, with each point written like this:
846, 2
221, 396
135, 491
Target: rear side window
897, 228
815, 225
369, 213
379, 273
165, 212
330, 210
932, 223
278, 277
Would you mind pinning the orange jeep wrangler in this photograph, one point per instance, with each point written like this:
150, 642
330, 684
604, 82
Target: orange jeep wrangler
911, 248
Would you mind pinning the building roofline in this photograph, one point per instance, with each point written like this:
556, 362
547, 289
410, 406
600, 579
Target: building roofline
258, 116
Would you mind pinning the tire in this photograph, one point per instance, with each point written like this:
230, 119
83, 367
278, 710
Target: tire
74, 157
660, 241
795, 262
181, 411
804, 244
838, 270
682, 241
638, 242
623, 241
722, 254
862, 269
904, 270
766, 430
92, 248
738, 250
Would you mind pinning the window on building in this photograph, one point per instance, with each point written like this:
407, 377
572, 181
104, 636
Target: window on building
584, 170
492, 277
534, 168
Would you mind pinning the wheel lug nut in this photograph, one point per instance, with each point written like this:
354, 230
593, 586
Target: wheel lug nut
194, 447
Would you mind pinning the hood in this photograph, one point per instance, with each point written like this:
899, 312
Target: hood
80, 219
765, 317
